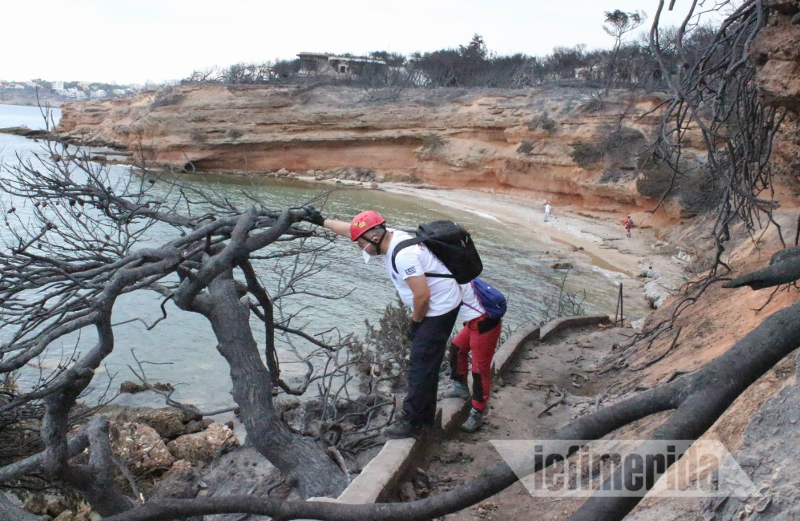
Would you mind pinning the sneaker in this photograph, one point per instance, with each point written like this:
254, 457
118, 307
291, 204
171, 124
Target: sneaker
402, 428
457, 390
474, 421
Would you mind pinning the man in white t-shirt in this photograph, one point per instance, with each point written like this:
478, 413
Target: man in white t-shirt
547, 209
434, 303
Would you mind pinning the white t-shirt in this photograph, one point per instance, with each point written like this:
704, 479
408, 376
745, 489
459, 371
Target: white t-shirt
417, 260
547, 208
470, 305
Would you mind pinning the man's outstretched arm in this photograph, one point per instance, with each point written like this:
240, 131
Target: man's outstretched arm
338, 227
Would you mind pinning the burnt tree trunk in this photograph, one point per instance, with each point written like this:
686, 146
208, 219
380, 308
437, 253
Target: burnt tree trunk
95, 480
11, 512
302, 460
704, 396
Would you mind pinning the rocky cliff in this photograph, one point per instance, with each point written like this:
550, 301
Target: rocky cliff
552, 144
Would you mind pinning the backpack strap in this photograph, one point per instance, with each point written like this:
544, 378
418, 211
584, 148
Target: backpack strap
411, 242
401, 245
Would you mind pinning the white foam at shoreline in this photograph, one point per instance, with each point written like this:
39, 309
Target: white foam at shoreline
614, 276
463, 209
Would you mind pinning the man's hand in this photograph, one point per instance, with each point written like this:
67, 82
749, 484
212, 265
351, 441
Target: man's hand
411, 331
313, 215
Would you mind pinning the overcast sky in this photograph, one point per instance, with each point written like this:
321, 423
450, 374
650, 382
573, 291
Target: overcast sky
133, 41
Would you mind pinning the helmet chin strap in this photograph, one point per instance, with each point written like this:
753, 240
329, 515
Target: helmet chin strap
377, 243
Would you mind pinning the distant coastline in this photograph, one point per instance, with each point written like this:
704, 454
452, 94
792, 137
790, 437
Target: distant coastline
28, 99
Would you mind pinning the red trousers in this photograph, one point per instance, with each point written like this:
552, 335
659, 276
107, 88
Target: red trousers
482, 346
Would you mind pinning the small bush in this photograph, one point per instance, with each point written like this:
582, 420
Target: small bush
526, 147
432, 142
696, 187
611, 175
234, 134
595, 103
166, 98
385, 345
199, 137
19, 427
618, 147
543, 122
586, 155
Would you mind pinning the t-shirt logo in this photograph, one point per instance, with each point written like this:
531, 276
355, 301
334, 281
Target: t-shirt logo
412, 270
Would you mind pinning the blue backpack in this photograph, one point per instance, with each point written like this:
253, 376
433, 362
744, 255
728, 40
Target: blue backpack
490, 298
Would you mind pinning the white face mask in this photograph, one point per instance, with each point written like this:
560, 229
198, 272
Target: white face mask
366, 256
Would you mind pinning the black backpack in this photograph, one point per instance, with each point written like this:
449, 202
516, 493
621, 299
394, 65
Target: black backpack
452, 245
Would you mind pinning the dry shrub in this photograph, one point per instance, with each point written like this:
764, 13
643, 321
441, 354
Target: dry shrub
432, 142
526, 147
619, 147
544, 122
198, 137
694, 186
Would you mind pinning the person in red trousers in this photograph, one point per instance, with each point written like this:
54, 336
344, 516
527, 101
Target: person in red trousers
479, 337
628, 223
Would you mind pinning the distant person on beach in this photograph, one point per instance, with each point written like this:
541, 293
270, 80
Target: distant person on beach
547, 209
628, 225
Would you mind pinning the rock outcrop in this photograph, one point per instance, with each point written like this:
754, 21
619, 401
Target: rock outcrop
776, 54
168, 422
201, 448
140, 447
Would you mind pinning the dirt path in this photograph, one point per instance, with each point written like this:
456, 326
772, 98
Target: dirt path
562, 362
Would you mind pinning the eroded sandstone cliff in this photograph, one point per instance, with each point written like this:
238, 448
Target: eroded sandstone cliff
521, 141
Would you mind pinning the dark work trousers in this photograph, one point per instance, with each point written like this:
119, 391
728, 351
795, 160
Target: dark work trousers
425, 359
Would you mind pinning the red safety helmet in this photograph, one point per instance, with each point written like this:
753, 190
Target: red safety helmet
363, 222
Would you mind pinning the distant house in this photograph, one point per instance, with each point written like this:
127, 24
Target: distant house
58, 85
99, 93
332, 64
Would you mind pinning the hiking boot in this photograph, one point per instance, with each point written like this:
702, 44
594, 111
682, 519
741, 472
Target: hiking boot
402, 428
474, 421
457, 390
